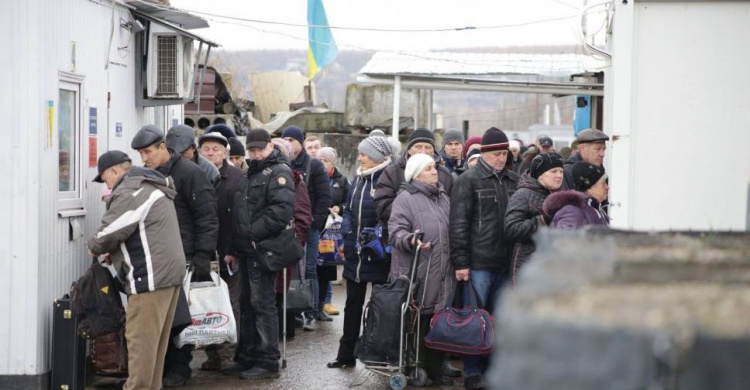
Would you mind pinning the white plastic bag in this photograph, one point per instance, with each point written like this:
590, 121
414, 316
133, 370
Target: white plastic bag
211, 312
333, 218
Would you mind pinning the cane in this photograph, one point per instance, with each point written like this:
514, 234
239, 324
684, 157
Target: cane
283, 343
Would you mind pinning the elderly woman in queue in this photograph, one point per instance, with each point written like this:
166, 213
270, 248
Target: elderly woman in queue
423, 206
339, 191
524, 215
570, 210
360, 269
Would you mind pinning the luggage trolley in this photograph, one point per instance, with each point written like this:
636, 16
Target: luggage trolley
407, 372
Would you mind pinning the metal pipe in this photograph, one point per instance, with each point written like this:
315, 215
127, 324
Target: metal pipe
396, 106
530, 88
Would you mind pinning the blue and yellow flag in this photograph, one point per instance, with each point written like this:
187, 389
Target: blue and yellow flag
322, 48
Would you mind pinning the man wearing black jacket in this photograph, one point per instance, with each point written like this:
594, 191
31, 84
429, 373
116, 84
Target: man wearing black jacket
213, 147
479, 251
314, 174
197, 216
263, 209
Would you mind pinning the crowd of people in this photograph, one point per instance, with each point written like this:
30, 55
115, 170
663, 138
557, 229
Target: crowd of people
476, 204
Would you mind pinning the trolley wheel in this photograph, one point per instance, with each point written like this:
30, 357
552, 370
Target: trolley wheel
419, 379
398, 381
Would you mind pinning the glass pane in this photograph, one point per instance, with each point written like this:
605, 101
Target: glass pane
67, 152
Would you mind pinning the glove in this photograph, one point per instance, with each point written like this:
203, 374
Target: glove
201, 263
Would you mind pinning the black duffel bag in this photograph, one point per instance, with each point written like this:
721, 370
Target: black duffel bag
281, 251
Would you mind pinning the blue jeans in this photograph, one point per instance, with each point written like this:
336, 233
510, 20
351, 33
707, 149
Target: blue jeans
311, 264
487, 284
329, 293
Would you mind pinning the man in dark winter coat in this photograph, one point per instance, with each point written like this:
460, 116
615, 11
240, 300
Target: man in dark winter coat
263, 209
314, 175
213, 147
181, 139
591, 149
453, 145
480, 251
197, 215
420, 141
524, 215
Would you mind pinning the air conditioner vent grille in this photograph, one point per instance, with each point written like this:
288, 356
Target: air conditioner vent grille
167, 66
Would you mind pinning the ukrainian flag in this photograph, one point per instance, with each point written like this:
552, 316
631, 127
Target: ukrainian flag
322, 48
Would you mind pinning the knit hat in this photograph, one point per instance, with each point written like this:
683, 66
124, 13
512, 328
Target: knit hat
453, 135
377, 133
395, 146
474, 154
415, 165
469, 142
376, 148
494, 139
543, 163
514, 145
328, 153
236, 148
421, 135
294, 132
222, 129
585, 175
284, 146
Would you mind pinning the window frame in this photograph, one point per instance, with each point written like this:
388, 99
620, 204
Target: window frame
70, 200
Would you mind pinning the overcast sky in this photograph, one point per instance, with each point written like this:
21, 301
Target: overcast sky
391, 14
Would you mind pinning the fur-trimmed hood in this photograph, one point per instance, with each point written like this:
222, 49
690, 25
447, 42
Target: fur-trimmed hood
560, 199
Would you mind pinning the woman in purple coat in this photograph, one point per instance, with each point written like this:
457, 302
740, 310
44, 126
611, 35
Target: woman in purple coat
570, 210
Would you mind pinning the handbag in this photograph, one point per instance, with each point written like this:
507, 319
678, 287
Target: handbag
373, 241
331, 244
95, 298
299, 296
109, 354
213, 320
280, 251
466, 331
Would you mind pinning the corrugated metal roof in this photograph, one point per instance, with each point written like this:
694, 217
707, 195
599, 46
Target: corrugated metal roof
440, 63
184, 19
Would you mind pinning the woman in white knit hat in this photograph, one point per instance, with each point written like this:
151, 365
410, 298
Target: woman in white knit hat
422, 205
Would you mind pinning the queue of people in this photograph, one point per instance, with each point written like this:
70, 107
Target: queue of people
477, 215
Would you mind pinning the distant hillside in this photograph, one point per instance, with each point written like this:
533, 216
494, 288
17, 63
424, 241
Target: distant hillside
483, 110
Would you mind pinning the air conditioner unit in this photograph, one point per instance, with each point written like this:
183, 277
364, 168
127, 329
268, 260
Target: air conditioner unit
167, 66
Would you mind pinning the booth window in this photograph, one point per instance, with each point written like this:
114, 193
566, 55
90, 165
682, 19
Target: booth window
69, 145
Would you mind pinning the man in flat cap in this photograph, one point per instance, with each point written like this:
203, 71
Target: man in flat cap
140, 232
181, 139
591, 148
197, 215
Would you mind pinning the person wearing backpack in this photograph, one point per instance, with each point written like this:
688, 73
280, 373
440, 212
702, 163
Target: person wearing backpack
361, 266
141, 233
423, 206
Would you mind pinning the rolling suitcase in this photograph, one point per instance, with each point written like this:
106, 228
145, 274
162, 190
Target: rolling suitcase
68, 349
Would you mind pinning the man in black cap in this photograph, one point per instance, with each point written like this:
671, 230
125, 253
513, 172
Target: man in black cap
181, 139
263, 209
591, 149
479, 250
213, 147
314, 175
237, 154
420, 141
545, 144
453, 145
140, 232
197, 215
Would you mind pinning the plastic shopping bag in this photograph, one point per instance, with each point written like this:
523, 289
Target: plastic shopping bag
213, 321
331, 244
